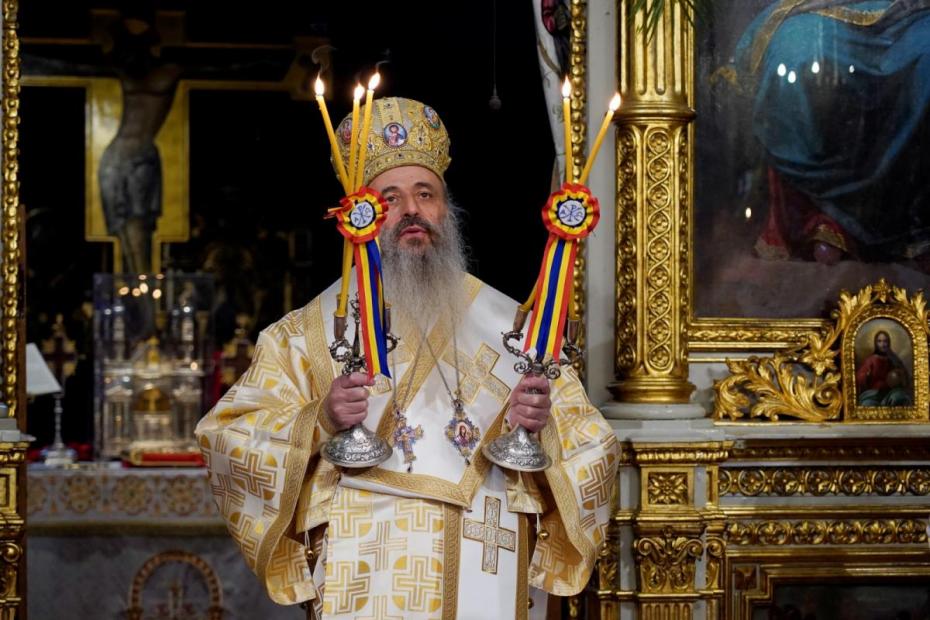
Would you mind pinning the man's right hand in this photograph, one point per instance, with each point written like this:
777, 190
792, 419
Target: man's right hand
347, 401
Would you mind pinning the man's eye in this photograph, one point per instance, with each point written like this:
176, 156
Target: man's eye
425, 195
391, 199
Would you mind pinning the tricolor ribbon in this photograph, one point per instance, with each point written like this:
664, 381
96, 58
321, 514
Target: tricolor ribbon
359, 218
570, 214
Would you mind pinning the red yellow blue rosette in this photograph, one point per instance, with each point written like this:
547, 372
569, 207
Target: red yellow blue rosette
570, 214
359, 218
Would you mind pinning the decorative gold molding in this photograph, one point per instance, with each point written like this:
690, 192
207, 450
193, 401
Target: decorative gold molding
760, 589
805, 382
823, 481
667, 562
881, 449
608, 576
827, 532
676, 453
578, 67
653, 209
11, 222
732, 334
668, 487
13, 453
11, 552
715, 547
911, 510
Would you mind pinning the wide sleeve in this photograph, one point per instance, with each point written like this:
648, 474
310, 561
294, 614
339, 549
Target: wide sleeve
257, 443
582, 483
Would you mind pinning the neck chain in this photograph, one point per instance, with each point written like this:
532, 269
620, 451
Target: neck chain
405, 435
461, 432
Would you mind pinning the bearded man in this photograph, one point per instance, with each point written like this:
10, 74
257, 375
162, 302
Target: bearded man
436, 530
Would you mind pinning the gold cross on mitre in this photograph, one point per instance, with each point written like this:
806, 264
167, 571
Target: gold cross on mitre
491, 534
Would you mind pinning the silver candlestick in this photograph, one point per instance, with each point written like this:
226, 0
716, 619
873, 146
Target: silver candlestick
58, 454
356, 447
519, 449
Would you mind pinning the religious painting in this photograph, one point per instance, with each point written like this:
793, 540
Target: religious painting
812, 139
884, 363
850, 601
395, 134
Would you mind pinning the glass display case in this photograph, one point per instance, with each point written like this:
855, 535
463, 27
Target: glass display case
153, 361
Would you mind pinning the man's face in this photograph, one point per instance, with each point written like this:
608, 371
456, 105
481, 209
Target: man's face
882, 343
416, 205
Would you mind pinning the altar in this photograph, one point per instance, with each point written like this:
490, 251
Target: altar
112, 542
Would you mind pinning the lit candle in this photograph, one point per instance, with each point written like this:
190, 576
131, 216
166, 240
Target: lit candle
567, 124
614, 104
353, 144
337, 156
366, 126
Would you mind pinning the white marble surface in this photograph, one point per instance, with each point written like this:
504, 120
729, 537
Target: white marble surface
658, 431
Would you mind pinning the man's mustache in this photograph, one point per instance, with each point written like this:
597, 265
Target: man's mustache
413, 220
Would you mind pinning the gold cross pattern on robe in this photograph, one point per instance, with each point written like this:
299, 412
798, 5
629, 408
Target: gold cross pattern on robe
491, 534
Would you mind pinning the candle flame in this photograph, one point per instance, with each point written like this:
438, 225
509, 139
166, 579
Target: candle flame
318, 87
615, 103
566, 88
359, 91
374, 81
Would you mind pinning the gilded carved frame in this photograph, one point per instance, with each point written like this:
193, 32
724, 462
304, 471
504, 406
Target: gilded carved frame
732, 333
578, 67
13, 257
916, 327
754, 584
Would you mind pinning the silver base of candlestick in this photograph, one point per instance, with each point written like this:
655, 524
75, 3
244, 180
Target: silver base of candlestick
517, 450
356, 447
58, 456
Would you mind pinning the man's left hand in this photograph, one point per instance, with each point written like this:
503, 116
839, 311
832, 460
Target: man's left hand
530, 404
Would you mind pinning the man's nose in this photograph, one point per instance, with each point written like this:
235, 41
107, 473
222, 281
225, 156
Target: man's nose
409, 206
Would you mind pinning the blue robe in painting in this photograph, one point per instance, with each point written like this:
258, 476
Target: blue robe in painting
846, 132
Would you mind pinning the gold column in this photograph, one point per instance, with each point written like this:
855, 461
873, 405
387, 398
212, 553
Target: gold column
653, 208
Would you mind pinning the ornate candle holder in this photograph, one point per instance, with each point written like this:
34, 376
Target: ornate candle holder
356, 447
519, 449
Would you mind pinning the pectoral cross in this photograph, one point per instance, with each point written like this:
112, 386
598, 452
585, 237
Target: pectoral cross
404, 436
491, 534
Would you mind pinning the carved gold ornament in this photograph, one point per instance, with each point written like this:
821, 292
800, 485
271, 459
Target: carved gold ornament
822, 481
667, 488
11, 218
806, 383
827, 531
667, 562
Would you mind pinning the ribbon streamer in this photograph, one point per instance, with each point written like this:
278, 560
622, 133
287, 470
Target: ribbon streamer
359, 218
570, 214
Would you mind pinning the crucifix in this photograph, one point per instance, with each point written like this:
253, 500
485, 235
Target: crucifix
490, 534
59, 351
138, 67
404, 436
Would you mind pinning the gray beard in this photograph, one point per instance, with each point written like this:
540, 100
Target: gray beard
425, 281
